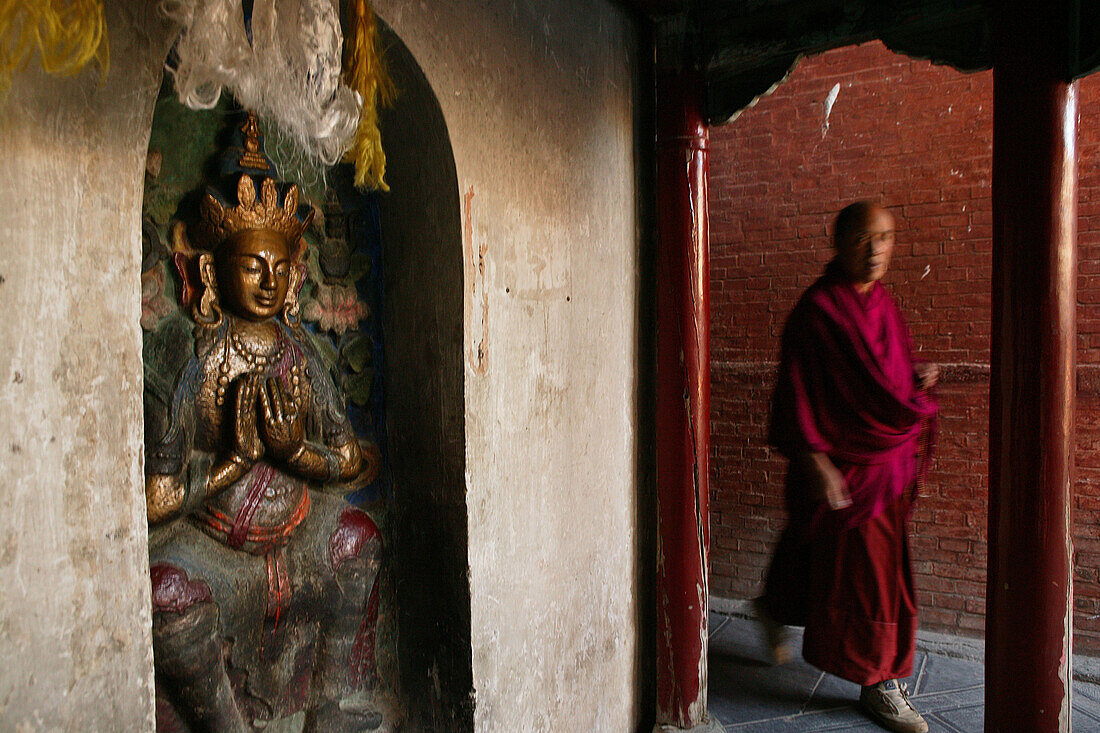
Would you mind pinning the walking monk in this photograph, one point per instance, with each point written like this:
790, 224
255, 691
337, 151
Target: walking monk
853, 415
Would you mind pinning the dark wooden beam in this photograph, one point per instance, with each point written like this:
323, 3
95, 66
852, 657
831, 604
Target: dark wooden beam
748, 47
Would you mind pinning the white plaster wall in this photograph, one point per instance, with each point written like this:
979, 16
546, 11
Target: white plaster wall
538, 98
74, 588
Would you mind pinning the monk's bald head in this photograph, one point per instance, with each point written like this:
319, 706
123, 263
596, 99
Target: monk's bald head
851, 218
864, 239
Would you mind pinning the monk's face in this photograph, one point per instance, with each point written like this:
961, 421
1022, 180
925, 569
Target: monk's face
864, 252
254, 274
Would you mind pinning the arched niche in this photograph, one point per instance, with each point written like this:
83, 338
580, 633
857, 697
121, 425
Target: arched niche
425, 525
422, 321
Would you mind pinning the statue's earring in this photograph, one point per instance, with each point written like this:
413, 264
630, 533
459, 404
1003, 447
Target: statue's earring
207, 311
292, 311
292, 307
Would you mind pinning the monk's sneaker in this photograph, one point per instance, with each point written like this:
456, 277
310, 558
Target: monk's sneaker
888, 703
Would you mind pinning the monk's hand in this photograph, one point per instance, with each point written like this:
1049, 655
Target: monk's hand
247, 446
828, 482
281, 428
926, 375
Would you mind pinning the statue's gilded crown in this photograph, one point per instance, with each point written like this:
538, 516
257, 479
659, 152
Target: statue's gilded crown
218, 222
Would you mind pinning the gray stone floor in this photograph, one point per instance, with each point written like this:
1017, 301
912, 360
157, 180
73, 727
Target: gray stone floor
747, 694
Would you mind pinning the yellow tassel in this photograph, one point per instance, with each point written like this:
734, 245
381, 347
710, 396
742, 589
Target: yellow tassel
67, 34
365, 72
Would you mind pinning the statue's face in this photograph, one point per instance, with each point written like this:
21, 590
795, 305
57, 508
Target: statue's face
254, 274
865, 252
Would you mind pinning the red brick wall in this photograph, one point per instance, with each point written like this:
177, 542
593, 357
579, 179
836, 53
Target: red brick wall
918, 138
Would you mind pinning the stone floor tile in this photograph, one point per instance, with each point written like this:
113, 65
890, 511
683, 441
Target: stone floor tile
840, 719
746, 689
742, 637
938, 702
749, 695
716, 621
969, 719
1088, 691
937, 724
1085, 719
832, 692
947, 673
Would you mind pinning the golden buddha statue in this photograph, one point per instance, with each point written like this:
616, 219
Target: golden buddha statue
263, 581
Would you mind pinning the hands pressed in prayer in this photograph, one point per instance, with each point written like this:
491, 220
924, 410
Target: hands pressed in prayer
282, 428
247, 446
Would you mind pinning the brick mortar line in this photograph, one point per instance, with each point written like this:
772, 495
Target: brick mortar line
1088, 375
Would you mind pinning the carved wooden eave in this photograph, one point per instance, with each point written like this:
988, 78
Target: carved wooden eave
748, 53
745, 48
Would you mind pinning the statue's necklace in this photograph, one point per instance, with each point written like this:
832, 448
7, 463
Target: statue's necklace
254, 359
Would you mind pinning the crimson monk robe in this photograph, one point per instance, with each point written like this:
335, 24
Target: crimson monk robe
846, 389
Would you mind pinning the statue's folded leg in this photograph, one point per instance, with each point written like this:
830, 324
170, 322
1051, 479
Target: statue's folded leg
188, 651
345, 661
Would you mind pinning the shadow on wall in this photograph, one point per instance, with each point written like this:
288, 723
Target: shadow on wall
422, 320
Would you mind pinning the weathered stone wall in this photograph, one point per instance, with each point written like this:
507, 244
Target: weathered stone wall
74, 589
538, 97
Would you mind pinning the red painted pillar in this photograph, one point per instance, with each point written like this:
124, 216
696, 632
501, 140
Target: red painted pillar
683, 399
1031, 440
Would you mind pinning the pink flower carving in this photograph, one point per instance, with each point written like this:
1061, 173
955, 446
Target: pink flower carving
335, 308
154, 304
